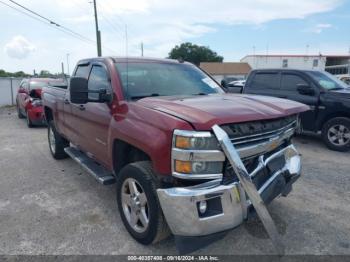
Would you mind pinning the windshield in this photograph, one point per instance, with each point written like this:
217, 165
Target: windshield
143, 79
38, 84
327, 81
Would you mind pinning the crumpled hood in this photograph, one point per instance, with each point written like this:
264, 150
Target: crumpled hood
205, 111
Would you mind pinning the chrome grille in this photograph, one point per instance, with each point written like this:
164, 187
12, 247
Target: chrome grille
255, 138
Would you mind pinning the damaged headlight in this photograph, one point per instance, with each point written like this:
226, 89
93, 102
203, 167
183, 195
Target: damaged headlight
196, 155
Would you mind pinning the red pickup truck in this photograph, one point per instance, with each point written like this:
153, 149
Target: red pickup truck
187, 158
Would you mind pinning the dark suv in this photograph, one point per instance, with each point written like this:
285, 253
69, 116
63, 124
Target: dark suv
328, 98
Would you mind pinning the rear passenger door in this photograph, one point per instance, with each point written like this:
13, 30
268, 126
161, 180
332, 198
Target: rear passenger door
289, 84
264, 83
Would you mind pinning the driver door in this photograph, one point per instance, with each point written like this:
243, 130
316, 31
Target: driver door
289, 84
93, 119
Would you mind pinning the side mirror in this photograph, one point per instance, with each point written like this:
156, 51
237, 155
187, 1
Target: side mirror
32, 93
224, 84
21, 90
78, 90
305, 89
80, 94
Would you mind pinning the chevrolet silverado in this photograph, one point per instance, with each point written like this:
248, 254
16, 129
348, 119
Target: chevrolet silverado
187, 158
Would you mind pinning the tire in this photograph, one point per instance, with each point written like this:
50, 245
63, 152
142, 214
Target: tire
56, 142
19, 114
29, 122
142, 174
336, 134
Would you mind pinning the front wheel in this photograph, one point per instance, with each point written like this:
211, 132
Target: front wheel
336, 134
138, 204
29, 122
57, 143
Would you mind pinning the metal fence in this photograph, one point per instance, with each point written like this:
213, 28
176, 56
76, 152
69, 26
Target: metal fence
8, 90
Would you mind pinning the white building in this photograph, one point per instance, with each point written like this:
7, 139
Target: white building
286, 61
226, 70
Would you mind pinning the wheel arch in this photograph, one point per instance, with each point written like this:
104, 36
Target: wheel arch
48, 113
125, 153
331, 116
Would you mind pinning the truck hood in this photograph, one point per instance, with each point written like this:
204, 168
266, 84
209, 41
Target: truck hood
343, 93
205, 111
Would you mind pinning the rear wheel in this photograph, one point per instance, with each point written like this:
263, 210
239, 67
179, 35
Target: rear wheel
19, 114
29, 122
336, 134
138, 203
56, 142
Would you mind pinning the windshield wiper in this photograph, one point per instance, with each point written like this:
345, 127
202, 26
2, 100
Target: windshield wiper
200, 94
337, 88
144, 96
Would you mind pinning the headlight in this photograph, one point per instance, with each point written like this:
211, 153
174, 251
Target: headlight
196, 155
36, 103
198, 143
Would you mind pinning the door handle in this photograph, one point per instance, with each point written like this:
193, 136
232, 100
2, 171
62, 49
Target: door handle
66, 101
82, 107
282, 96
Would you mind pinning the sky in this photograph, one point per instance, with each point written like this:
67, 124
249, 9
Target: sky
231, 28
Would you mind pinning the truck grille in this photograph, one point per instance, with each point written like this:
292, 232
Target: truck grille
254, 133
253, 139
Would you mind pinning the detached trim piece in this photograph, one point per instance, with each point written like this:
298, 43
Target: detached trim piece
249, 187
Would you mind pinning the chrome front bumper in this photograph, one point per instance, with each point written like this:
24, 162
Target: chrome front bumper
181, 205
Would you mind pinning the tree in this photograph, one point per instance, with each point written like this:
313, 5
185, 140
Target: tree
45, 73
194, 53
19, 74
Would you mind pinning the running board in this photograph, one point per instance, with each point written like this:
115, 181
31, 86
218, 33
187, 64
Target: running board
249, 187
101, 174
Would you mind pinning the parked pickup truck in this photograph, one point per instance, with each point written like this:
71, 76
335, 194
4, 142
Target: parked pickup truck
327, 96
187, 158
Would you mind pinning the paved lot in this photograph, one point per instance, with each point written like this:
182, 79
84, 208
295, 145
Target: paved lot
53, 207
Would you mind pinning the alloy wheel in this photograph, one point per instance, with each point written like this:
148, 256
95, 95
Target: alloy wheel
52, 140
135, 206
339, 135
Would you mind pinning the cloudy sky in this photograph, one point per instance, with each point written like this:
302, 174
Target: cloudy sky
230, 27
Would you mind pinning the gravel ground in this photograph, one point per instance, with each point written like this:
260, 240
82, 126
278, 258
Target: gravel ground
53, 207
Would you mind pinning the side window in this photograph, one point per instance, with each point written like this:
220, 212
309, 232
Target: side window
315, 63
25, 86
82, 71
265, 81
98, 80
285, 63
290, 82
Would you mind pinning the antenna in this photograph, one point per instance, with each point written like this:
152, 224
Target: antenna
126, 40
127, 58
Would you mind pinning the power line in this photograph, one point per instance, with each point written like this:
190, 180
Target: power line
57, 26
50, 21
41, 21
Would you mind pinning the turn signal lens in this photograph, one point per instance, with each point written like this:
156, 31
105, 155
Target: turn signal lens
183, 166
182, 142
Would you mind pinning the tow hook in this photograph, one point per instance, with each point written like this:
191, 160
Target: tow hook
249, 188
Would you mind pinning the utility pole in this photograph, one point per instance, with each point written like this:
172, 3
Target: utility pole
141, 48
62, 65
126, 40
349, 63
98, 33
67, 63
